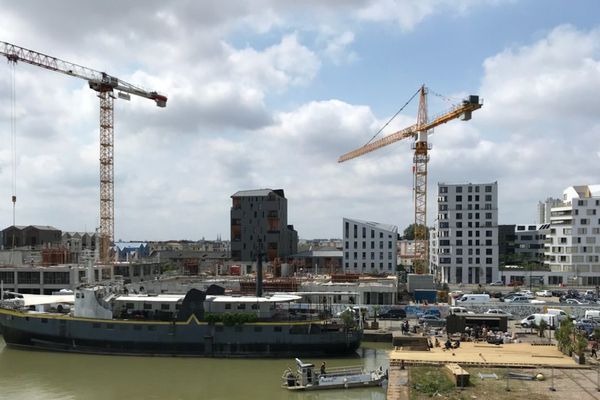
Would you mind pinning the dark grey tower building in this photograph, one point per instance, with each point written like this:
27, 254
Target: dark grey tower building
261, 216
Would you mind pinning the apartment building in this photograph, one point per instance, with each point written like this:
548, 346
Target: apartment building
572, 244
369, 247
259, 223
464, 240
544, 208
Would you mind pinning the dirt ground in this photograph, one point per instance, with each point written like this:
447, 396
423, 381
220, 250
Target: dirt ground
574, 384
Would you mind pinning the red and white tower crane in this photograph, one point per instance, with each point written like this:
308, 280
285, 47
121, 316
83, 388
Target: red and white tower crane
105, 85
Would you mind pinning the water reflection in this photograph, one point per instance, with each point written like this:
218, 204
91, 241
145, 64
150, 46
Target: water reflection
45, 375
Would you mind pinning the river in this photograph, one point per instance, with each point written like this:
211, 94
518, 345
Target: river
37, 375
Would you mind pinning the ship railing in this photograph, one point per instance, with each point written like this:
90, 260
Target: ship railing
342, 371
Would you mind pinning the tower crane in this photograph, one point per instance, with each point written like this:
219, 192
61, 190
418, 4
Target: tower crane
105, 85
419, 132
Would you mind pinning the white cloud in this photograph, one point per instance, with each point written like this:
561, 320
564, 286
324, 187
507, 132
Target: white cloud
337, 48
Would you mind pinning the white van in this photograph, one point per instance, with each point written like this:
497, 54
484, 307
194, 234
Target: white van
536, 319
591, 314
473, 298
560, 314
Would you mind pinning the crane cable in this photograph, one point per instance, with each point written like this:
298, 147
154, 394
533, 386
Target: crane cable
13, 139
394, 116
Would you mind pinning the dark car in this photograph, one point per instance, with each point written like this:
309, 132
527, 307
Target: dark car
394, 313
432, 320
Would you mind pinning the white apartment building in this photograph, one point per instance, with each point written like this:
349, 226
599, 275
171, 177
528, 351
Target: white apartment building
464, 240
544, 208
369, 247
573, 243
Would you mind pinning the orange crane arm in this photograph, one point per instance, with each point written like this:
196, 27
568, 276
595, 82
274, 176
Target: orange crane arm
465, 109
99, 81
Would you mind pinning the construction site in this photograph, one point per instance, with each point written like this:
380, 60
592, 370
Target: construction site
529, 369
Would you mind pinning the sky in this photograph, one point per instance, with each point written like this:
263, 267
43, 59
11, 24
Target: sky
269, 93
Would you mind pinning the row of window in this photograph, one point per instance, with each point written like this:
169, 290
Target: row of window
470, 242
364, 245
364, 255
372, 232
459, 260
470, 224
364, 265
459, 189
459, 207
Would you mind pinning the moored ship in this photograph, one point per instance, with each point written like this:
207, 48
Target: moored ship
107, 320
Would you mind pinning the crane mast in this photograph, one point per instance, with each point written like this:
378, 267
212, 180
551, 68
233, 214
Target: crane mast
105, 85
419, 132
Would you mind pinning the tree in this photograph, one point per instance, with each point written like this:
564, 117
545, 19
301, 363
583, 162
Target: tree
409, 232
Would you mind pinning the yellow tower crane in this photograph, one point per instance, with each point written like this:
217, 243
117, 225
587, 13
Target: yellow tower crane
105, 85
421, 147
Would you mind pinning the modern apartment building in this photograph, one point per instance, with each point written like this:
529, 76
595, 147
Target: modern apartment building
464, 240
529, 242
573, 242
369, 247
259, 223
544, 208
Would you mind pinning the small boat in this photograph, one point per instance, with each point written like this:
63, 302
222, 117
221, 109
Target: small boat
306, 378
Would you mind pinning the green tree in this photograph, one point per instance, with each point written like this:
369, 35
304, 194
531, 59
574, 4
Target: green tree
409, 232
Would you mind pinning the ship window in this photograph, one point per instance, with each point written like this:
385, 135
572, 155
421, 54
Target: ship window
147, 306
277, 329
128, 305
95, 325
137, 327
258, 329
228, 306
241, 306
255, 306
164, 307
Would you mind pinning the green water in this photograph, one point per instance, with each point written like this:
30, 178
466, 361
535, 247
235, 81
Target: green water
44, 376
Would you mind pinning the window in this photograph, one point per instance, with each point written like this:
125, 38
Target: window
147, 306
488, 260
165, 307
488, 197
488, 189
228, 306
488, 215
459, 189
443, 189
488, 233
364, 232
459, 233
476, 189
458, 198
458, 215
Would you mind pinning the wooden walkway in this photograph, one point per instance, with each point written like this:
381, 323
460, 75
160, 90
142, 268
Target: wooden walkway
398, 388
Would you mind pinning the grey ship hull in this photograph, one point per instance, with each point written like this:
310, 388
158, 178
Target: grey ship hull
190, 338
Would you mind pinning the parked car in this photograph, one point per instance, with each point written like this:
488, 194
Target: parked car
576, 301
544, 293
497, 283
473, 298
498, 311
432, 320
432, 311
516, 299
394, 313
460, 310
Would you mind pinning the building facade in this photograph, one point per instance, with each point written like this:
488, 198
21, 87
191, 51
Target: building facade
259, 224
529, 243
464, 240
544, 208
369, 247
572, 244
